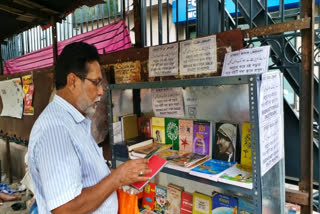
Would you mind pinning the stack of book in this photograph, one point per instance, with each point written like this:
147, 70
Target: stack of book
187, 145
172, 199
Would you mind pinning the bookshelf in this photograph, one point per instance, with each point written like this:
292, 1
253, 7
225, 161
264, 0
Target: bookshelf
258, 193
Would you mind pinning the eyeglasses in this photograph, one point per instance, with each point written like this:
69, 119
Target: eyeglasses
96, 82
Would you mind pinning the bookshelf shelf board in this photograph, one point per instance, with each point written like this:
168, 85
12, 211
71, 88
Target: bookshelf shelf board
210, 81
233, 188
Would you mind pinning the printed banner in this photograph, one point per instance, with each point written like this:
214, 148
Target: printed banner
28, 89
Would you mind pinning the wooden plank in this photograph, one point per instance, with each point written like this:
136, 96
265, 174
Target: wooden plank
306, 106
226, 41
137, 23
1, 63
54, 40
299, 24
297, 197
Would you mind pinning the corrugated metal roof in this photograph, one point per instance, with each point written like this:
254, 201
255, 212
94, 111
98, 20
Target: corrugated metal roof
19, 15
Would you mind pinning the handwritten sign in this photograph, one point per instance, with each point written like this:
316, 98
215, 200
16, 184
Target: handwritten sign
163, 60
127, 72
246, 61
167, 102
198, 56
270, 121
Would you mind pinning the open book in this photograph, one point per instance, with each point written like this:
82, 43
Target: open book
155, 164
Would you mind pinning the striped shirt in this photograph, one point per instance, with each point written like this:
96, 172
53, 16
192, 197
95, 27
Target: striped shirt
64, 158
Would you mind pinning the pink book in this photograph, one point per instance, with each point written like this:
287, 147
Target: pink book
155, 164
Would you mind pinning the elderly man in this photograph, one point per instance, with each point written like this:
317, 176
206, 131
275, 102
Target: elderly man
67, 167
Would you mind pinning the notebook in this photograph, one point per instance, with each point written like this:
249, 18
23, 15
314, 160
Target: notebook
156, 163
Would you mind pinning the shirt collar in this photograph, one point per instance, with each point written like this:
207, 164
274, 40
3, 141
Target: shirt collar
77, 116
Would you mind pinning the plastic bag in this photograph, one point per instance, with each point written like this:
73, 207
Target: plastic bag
128, 203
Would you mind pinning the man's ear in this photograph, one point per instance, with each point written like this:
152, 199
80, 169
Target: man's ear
71, 81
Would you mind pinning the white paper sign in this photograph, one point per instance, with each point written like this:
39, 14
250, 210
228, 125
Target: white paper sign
12, 95
246, 61
270, 121
167, 102
198, 56
163, 60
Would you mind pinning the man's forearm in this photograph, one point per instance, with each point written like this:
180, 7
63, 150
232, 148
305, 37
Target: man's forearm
90, 198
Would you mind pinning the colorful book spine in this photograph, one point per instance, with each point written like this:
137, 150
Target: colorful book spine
246, 145
202, 204
148, 196
174, 199
224, 204
185, 135
172, 132
201, 138
160, 203
158, 130
145, 126
186, 203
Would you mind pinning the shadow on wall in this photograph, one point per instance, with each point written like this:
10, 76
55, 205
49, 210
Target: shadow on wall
17, 159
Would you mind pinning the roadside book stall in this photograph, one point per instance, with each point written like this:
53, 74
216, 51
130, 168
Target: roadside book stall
206, 112
214, 118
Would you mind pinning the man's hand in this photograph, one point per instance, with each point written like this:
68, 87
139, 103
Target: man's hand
129, 172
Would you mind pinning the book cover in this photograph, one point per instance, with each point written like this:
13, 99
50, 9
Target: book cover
145, 126
173, 199
211, 169
129, 126
187, 159
160, 203
149, 196
245, 206
223, 204
185, 135
172, 132
147, 148
158, 130
201, 137
170, 154
202, 204
246, 145
156, 163
237, 175
186, 203
225, 142
136, 142
141, 152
